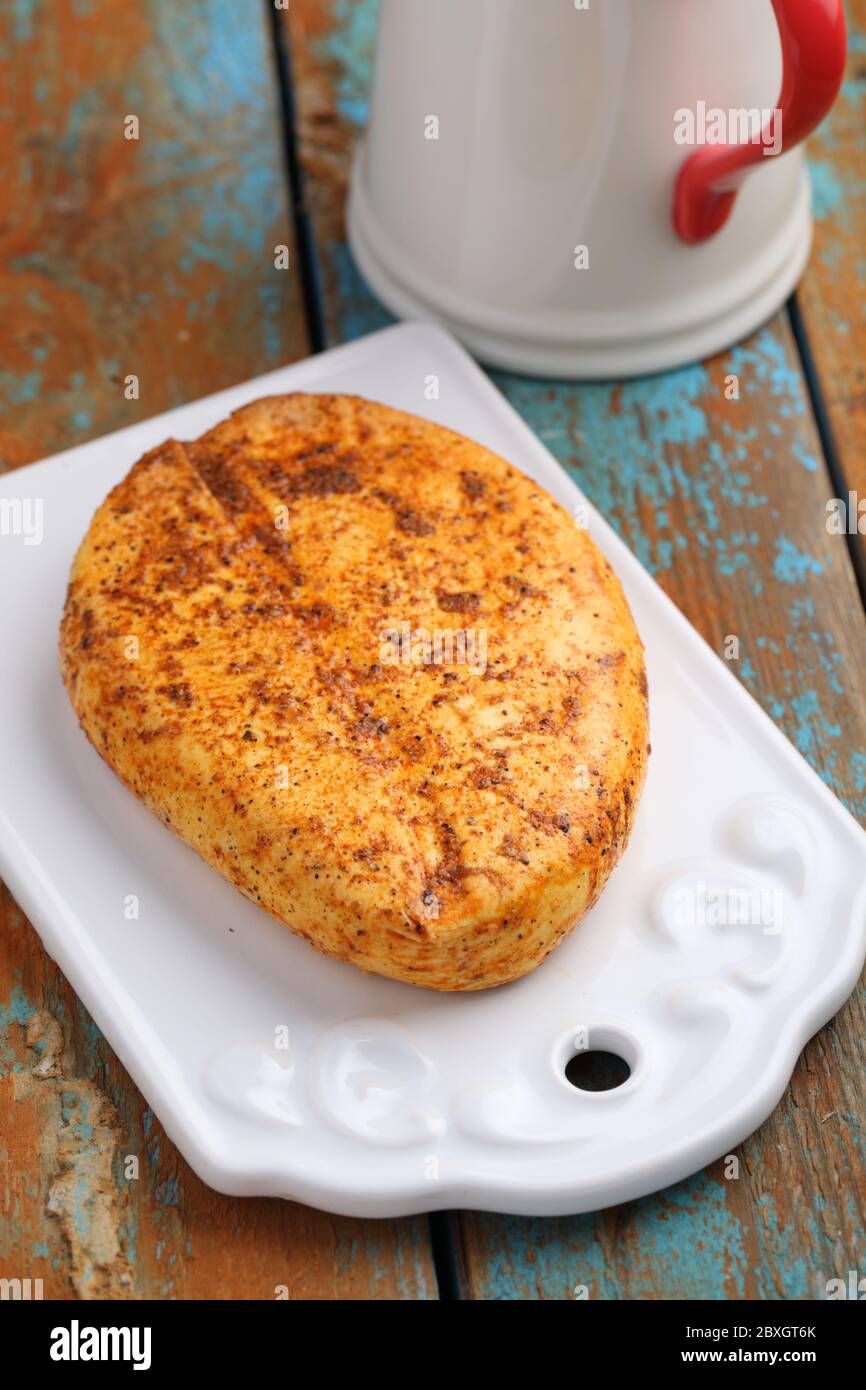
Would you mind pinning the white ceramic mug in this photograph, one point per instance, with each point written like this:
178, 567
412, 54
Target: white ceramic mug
524, 176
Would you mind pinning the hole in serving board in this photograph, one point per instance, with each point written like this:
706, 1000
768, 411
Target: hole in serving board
596, 1070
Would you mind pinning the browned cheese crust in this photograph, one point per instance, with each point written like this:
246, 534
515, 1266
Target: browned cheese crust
443, 822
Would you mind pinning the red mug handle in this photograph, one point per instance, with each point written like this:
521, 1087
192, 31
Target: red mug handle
813, 56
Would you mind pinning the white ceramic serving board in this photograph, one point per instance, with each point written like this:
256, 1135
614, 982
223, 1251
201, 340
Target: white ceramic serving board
392, 1099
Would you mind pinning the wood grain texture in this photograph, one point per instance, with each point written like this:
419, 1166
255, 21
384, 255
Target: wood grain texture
152, 257
831, 295
724, 501
71, 1214
155, 258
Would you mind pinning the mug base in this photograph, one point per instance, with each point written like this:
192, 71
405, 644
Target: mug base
601, 351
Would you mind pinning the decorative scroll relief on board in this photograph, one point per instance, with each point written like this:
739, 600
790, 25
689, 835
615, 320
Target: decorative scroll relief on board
715, 936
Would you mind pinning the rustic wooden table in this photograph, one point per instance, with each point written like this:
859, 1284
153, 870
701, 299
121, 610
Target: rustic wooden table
155, 256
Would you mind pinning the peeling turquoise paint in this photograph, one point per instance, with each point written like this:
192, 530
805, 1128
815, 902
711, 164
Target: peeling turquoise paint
805, 455
351, 45
813, 727
358, 311
682, 1243
689, 1246
791, 565
19, 1009
82, 113
167, 1192
208, 169
764, 364
622, 445
828, 191
17, 1012
23, 19
222, 59
20, 390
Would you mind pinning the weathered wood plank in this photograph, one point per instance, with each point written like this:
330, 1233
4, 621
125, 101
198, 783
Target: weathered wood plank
831, 297
791, 1221
724, 501
154, 258
71, 1214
